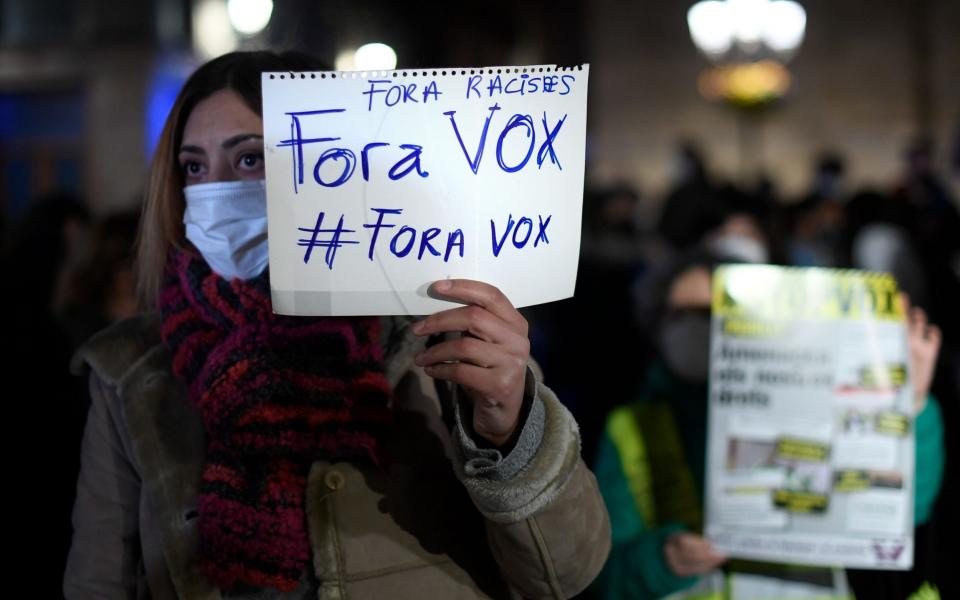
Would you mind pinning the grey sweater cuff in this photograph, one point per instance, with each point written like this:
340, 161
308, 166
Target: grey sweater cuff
540, 481
490, 462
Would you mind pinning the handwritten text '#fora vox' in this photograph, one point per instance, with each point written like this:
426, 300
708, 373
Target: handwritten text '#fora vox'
404, 240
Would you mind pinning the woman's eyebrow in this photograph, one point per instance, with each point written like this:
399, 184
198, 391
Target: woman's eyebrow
237, 139
192, 149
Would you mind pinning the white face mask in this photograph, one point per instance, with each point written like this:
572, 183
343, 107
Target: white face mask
227, 222
740, 247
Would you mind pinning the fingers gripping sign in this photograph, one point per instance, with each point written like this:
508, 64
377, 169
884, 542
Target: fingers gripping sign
488, 361
688, 554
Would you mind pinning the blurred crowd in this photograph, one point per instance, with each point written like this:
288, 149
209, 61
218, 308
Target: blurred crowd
639, 324
70, 275
911, 230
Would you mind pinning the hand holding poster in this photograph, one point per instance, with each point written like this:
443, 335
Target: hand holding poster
379, 183
810, 448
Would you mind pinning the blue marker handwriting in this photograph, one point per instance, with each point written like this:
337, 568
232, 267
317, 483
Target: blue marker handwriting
336, 165
399, 93
332, 243
391, 93
346, 158
524, 84
523, 125
386, 230
522, 232
405, 237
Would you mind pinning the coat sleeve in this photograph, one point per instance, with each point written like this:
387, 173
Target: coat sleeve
547, 524
105, 550
929, 460
637, 568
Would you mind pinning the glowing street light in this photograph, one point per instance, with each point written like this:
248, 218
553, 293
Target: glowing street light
754, 29
212, 34
368, 57
218, 24
375, 56
749, 40
249, 17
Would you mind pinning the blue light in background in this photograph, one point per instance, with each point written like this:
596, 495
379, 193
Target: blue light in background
40, 116
17, 188
37, 127
169, 74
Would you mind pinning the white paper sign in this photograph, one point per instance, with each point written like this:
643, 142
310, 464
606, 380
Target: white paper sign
379, 183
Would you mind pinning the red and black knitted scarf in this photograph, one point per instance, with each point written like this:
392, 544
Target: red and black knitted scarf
274, 393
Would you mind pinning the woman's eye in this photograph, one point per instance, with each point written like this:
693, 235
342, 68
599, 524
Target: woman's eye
251, 161
192, 168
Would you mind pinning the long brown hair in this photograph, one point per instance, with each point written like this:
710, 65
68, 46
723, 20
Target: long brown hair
161, 221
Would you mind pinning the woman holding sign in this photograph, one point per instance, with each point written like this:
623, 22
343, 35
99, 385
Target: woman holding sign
651, 464
231, 452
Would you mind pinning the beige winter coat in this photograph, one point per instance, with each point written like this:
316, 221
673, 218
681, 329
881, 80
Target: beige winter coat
429, 528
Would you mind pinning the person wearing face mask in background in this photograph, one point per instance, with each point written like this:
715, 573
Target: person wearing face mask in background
882, 236
233, 453
815, 223
651, 460
740, 237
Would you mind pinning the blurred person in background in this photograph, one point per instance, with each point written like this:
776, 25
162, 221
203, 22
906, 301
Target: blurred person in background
699, 209
741, 237
955, 156
99, 287
955, 153
231, 452
739, 231
912, 233
691, 206
815, 224
955, 169
933, 221
611, 234
881, 235
877, 237
921, 186
651, 462
611, 258
51, 229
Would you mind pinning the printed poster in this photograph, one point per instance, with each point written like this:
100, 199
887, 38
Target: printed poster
810, 445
